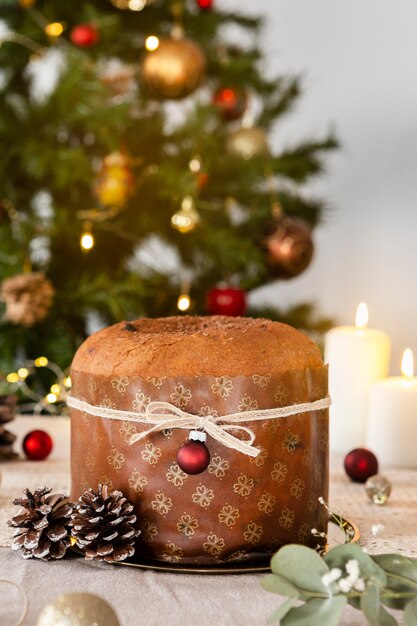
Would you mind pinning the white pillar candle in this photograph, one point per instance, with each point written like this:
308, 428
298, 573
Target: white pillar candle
392, 423
358, 357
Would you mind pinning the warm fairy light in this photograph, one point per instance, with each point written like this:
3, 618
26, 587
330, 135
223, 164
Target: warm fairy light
67, 382
41, 361
151, 43
184, 302
407, 364
362, 315
54, 29
195, 165
13, 377
87, 241
51, 398
56, 389
23, 373
136, 5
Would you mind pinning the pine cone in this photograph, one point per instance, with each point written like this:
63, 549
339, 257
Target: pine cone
7, 414
42, 525
102, 525
28, 298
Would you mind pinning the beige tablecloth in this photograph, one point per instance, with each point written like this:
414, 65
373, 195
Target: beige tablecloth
154, 598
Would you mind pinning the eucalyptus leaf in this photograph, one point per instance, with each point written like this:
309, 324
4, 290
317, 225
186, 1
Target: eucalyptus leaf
373, 610
281, 611
316, 612
301, 566
278, 584
369, 569
410, 614
397, 564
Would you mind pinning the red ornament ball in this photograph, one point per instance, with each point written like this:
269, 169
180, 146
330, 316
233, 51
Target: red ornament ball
85, 35
226, 301
360, 464
37, 445
205, 5
193, 457
230, 102
289, 247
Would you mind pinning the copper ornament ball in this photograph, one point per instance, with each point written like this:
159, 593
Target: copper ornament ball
174, 70
247, 143
289, 247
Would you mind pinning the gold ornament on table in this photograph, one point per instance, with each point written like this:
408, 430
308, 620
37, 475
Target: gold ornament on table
187, 218
247, 143
78, 609
173, 67
28, 298
114, 182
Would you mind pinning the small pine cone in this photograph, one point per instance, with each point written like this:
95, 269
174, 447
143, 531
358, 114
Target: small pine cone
7, 414
28, 298
7, 408
103, 525
42, 525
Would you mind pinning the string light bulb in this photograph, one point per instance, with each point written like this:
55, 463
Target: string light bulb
23, 373
195, 165
41, 361
13, 377
54, 29
56, 389
51, 398
183, 302
87, 241
151, 43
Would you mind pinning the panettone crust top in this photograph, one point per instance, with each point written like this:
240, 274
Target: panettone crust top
196, 346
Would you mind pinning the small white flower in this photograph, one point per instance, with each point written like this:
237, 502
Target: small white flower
376, 529
321, 500
359, 585
345, 585
352, 568
331, 576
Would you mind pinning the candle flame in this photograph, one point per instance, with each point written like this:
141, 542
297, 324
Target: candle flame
407, 364
362, 315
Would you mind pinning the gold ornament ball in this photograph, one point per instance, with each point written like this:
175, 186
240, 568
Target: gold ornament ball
247, 143
78, 609
174, 69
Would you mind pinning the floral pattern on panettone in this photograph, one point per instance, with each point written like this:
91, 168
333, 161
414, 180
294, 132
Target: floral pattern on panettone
240, 506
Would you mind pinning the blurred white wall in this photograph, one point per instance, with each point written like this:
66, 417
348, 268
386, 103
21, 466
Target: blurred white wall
358, 59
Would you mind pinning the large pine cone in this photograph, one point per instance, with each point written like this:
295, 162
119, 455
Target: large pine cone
42, 525
7, 414
28, 298
103, 525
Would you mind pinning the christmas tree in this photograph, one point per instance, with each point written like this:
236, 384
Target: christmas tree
136, 169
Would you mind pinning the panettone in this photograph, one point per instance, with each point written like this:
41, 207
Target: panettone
241, 506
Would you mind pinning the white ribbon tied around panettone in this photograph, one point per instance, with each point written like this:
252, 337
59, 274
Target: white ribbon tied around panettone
163, 415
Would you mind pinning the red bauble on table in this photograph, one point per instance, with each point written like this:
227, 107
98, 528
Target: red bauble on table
205, 5
360, 464
85, 35
37, 445
289, 247
193, 457
230, 102
226, 301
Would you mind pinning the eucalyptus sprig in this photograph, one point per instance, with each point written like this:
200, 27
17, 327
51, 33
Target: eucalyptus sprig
345, 575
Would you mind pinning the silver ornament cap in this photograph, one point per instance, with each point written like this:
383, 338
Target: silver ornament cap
78, 609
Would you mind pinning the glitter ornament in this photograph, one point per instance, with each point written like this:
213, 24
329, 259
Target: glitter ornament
187, 218
193, 457
226, 301
78, 609
37, 445
378, 489
360, 464
174, 69
289, 247
84, 35
247, 143
231, 103
114, 182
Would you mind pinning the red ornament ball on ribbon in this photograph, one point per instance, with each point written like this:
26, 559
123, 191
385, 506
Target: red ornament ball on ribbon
226, 301
85, 35
360, 464
193, 457
205, 5
37, 445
